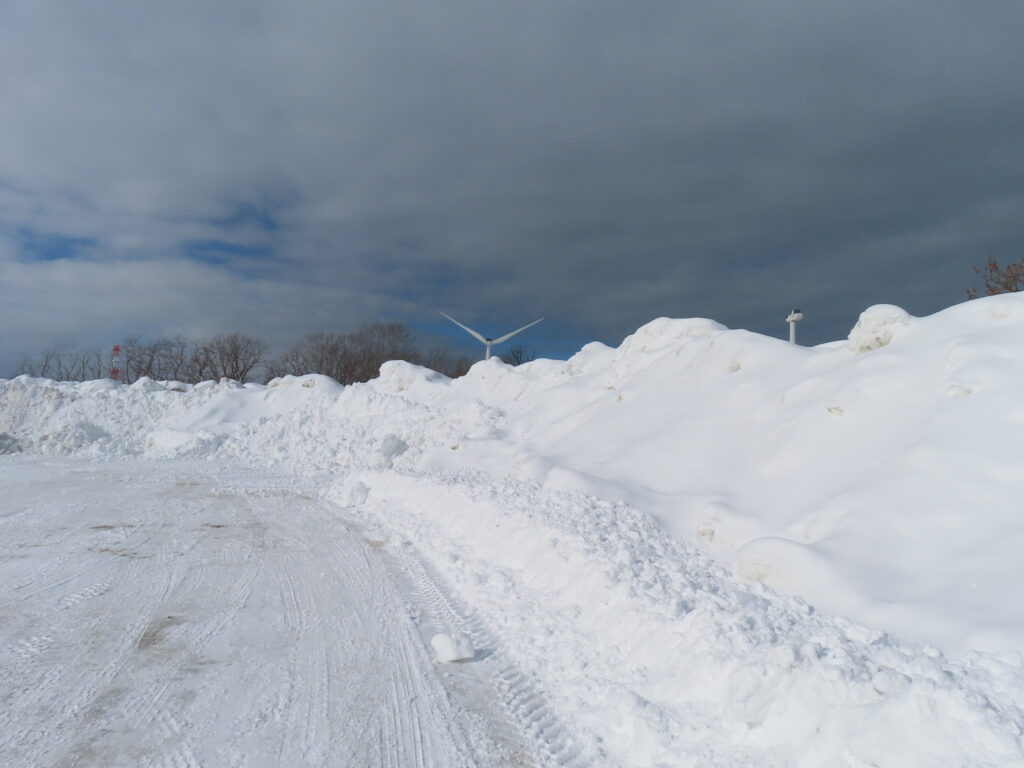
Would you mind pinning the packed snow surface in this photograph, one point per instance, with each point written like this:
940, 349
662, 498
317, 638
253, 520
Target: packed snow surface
704, 547
186, 615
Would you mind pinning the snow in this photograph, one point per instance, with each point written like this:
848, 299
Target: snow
448, 648
703, 547
186, 614
876, 327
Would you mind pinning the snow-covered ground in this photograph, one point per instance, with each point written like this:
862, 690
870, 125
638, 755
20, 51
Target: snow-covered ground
184, 615
703, 548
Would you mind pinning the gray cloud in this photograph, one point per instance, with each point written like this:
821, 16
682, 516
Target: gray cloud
598, 163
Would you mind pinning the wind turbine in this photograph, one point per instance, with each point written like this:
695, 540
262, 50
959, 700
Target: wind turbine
488, 343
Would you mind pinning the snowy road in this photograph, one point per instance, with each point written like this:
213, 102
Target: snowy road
168, 614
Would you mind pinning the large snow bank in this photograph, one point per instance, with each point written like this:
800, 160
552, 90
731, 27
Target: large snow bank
879, 479
646, 642
875, 478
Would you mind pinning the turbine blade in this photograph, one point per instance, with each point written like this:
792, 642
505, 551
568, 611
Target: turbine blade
508, 336
470, 331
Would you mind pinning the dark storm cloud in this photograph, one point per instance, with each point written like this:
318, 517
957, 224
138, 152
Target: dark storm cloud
293, 166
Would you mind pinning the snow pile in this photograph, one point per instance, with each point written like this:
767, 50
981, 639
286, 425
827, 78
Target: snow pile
882, 484
648, 643
876, 327
596, 512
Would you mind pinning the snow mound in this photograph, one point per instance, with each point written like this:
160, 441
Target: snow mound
648, 643
665, 331
876, 327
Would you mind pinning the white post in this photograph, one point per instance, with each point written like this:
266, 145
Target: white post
794, 317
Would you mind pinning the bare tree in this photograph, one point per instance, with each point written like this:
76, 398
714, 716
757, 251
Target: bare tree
27, 367
518, 354
81, 365
177, 357
998, 279
358, 356
235, 355
232, 356
69, 365
443, 361
200, 365
42, 366
323, 353
346, 357
98, 365
141, 358
370, 346
62, 369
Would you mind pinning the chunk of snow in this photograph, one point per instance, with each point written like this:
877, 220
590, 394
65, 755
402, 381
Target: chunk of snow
448, 649
390, 448
876, 327
351, 493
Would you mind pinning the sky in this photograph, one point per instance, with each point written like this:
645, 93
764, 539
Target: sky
273, 167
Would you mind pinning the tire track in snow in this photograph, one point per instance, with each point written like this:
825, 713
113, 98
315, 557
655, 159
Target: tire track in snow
520, 696
257, 630
77, 688
318, 658
412, 723
93, 706
179, 637
182, 755
305, 702
57, 572
104, 701
56, 622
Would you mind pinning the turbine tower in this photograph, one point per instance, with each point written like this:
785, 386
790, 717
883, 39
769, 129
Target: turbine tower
488, 343
794, 317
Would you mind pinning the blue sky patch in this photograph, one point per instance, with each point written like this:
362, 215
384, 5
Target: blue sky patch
44, 246
223, 252
248, 215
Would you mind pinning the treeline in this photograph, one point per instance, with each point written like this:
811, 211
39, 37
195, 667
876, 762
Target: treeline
346, 357
358, 355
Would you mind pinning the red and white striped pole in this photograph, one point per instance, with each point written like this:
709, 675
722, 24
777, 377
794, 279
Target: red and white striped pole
115, 362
